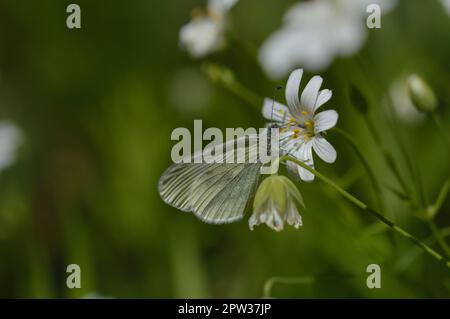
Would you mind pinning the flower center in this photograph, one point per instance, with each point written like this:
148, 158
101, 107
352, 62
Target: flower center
309, 130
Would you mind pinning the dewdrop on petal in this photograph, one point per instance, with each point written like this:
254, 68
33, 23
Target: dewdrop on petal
421, 94
276, 203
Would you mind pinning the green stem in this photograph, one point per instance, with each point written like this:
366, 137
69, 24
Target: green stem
406, 258
245, 94
225, 77
436, 207
394, 126
359, 154
364, 68
371, 211
388, 157
441, 241
285, 280
440, 128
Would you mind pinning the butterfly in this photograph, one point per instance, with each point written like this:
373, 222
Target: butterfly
218, 192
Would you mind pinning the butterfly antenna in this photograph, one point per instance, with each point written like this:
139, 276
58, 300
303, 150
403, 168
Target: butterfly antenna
273, 100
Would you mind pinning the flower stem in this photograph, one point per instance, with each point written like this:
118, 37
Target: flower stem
394, 126
440, 128
371, 211
225, 77
245, 94
436, 207
388, 157
359, 154
439, 238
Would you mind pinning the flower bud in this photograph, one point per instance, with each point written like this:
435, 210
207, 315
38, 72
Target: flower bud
275, 203
421, 94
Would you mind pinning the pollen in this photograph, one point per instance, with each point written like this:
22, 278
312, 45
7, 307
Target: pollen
296, 132
305, 113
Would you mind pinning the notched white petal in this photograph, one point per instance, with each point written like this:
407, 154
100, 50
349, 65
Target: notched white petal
324, 149
325, 120
292, 89
310, 93
323, 97
274, 111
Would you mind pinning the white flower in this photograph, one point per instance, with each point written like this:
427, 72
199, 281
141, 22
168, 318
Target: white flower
204, 34
446, 4
315, 32
302, 128
10, 138
276, 203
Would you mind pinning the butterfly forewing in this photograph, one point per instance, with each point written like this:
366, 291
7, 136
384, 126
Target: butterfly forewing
218, 192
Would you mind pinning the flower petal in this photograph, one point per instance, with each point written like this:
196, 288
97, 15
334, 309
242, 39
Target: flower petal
304, 154
293, 218
310, 93
221, 6
274, 111
292, 88
324, 149
201, 36
323, 97
325, 120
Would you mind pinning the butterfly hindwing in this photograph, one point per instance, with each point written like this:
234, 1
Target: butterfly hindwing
229, 205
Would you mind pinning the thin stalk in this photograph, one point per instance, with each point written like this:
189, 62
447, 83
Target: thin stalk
440, 128
436, 207
370, 211
439, 238
364, 68
388, 158
406, 258
223, 76
245, 94
411, 167
370, 173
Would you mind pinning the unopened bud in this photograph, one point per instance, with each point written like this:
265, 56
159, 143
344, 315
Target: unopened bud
421, 94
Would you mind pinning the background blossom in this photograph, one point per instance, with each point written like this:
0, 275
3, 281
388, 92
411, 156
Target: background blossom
314, 33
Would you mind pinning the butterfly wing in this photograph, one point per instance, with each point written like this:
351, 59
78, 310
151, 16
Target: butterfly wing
215, 193
219, 198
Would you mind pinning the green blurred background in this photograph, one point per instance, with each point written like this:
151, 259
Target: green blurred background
97, 107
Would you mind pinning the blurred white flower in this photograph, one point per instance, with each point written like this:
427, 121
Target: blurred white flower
10, 138
302, 129
403, 106
276, 203
446, 4
315, 32
204, 34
